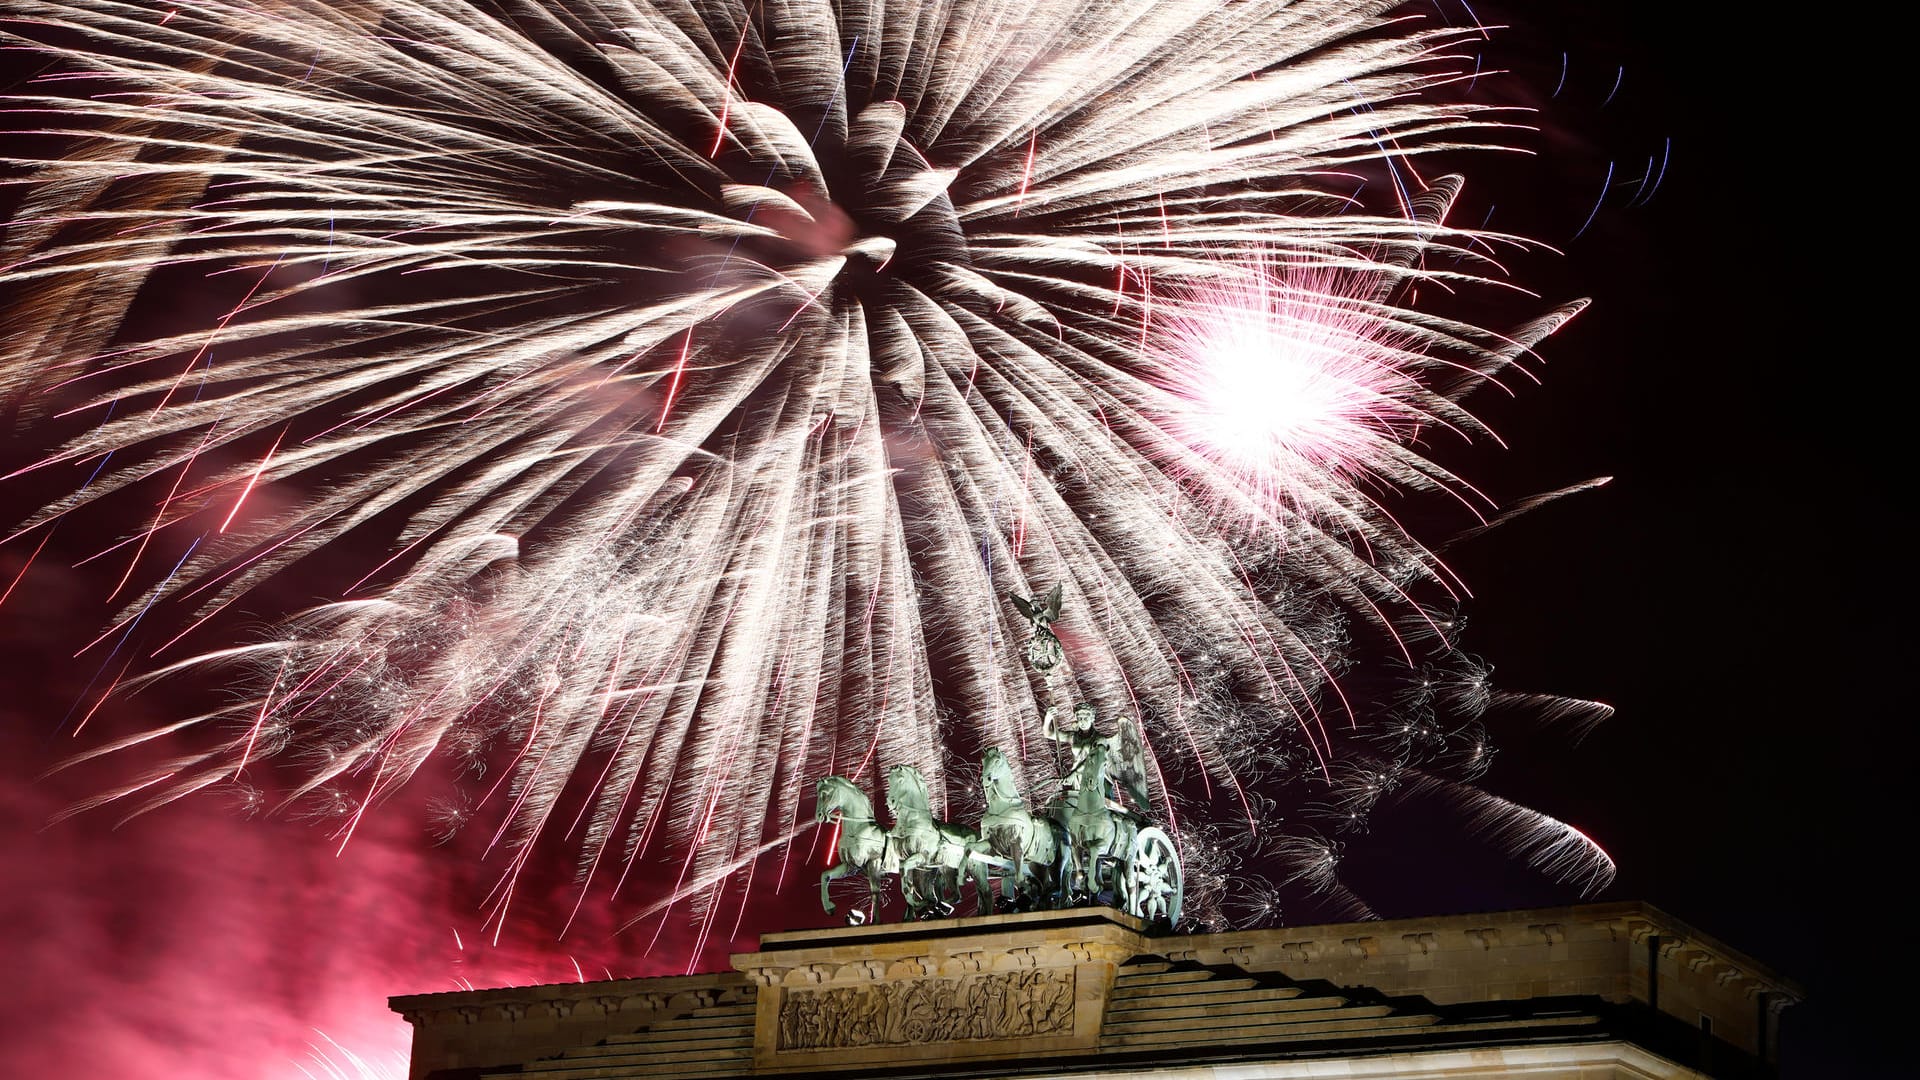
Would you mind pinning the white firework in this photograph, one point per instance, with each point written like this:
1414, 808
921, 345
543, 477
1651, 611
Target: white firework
686, 384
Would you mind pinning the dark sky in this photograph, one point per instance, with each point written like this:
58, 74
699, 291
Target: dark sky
1729, 591
1717, 593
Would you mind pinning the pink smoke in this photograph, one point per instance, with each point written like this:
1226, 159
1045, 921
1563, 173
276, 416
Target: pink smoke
200, 942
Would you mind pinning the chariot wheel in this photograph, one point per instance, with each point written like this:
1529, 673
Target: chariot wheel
1153, 879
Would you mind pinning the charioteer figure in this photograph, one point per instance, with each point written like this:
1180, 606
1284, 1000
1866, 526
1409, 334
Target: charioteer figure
1125, 750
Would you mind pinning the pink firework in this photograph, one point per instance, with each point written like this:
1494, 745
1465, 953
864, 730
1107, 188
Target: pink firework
1291, 385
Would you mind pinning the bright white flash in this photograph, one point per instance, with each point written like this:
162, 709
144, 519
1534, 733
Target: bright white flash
1289, 382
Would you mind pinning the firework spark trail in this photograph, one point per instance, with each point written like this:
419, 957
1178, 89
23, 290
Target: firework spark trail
1559, 849
782, 342
336, 1062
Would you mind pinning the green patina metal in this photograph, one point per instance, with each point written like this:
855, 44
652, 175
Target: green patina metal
1091, 844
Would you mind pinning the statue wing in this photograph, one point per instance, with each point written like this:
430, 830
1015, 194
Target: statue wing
1024, 606
1127, 758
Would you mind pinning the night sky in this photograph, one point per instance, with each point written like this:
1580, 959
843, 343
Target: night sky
1717, 593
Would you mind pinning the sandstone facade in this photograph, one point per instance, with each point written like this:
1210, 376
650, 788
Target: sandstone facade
1581, 993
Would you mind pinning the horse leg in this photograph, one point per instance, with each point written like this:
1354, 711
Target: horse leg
1023, 864
1046, 873
876, 890
1010, 879
857, 917
1108, 880
839, 871
1019, 883
1052, 856
1063, 884
909, 885
945, 888
972, 869
947, 882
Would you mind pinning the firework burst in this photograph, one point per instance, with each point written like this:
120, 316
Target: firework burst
702, 377
1297, 388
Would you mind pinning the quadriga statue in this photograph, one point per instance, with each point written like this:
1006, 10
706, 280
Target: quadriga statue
1086, 847
1092, 844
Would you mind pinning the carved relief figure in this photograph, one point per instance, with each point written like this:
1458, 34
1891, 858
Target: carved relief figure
1009, 1005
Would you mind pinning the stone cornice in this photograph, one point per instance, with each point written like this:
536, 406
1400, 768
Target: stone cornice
1426, 937
1093, 985
564, 1000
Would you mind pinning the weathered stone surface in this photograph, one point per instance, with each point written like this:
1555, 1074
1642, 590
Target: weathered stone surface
1006, 1005
1562, 994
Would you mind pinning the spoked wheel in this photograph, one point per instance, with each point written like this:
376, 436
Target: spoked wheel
1154, 882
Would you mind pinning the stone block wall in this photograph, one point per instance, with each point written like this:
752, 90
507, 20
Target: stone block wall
975, 991
1601, 949
475, 1028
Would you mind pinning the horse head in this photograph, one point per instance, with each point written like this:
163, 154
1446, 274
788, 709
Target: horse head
907, 790
996, 774
836, 794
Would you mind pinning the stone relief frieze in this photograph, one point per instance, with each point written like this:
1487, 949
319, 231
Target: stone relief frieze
1010, 1005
